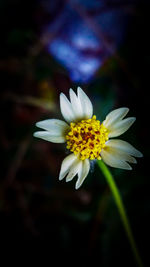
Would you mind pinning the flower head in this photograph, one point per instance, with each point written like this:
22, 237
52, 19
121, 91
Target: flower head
87, 138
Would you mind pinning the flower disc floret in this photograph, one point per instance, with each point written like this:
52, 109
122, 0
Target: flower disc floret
87, 138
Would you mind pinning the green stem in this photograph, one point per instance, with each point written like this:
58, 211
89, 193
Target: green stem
121, 209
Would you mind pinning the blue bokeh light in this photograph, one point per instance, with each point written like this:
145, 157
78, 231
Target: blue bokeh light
79, 46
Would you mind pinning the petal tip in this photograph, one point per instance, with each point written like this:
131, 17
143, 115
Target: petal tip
129, 168
62, 96
79, 88
60, 178
80, 91
77, 186
36, 134
126, 109
38, 124
140, 154
134, 118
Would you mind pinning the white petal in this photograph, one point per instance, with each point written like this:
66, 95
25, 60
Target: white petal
55, 127
112, 159
76, 105
121, 155
45, 135
114, 116
120, 127
82, 174
66, 165
130, 159
124, 147
118, 153
74, 169
66, 108
87, 107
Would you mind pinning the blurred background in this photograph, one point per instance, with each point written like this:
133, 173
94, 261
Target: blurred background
47, 47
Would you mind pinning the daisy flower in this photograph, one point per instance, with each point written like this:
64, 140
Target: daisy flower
87, 138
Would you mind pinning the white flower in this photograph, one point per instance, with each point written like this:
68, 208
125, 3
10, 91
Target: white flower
87, 138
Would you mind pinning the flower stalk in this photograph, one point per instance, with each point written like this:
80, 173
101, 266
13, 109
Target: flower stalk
110, 180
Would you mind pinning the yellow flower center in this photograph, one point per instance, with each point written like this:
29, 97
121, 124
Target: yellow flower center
87, 138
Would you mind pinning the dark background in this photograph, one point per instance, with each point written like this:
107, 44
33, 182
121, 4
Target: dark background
41, 217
